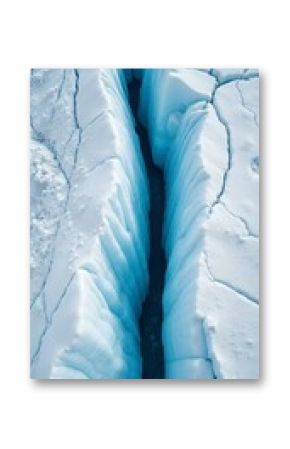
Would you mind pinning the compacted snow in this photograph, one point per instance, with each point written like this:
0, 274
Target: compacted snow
90, 230
89, 240
203, 127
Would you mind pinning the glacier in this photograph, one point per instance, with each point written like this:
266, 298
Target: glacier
203, 126
94, 256
89, 241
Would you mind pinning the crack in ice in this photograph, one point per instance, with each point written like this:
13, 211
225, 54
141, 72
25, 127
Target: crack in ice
244, 104
229, 153
242, 220
50, 318
226, 284
52, 149
75, 114
60, 89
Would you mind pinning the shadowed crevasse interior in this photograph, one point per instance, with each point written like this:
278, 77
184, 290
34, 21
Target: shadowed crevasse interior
152, 316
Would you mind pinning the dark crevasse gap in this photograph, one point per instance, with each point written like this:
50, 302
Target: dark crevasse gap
152, 315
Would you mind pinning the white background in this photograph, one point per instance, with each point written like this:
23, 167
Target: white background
143, 415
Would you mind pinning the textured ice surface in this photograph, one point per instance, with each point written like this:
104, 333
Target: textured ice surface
165, 96
203, 127
225, 75
89, 240
89, 221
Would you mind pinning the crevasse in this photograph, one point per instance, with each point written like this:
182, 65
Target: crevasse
151, 318
90, 234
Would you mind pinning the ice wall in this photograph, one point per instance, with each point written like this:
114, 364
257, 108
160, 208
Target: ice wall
89, 222
203, 127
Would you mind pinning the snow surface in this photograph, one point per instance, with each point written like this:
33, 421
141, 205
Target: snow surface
89, 240
203, 127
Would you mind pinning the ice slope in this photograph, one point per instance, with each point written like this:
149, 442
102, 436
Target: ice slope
165, 95
204, 134
89, 220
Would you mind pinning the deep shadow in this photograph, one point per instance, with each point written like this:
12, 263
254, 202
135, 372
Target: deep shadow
151, 316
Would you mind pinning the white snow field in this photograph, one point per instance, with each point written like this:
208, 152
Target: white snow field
89, 239
203, 126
